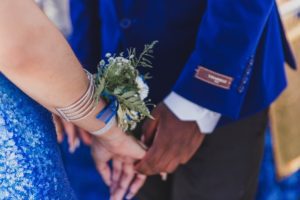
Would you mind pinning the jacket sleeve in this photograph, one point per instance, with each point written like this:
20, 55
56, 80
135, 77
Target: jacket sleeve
217, 74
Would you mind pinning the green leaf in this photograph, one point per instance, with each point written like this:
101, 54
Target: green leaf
128, 94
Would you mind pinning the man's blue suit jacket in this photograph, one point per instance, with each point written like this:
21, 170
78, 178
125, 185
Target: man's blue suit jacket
225, 55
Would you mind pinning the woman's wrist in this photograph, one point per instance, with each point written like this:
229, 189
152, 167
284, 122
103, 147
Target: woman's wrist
112, 134
91, 123
85, 111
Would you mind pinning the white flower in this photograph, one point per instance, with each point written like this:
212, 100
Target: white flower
143, 88
102, 63
107, 55
126, 61
133, 126
111, 60
133, 114
122, 60
119, 59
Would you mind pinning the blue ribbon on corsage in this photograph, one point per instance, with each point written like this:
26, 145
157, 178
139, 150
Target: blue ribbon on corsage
109, 111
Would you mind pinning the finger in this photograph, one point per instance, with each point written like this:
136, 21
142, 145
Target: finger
150, 125
155, 159
136, 185
171, 167
123, 186
117, 169
134, 149
192, 147
124, 181
101, 157
149, 164
85, 136
100, 154
72, 135
116, 174
75, 144
105, 172
148, 167
164, 176
161, 157
58, 128
148, 131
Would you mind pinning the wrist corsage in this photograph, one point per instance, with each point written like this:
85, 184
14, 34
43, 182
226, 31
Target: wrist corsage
120, 83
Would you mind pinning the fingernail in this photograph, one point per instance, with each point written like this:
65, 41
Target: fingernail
108, 183
143, 138
129, 196
115, 177
71, 149
112, 188
77, 143
164, 176
143, 146
74, 145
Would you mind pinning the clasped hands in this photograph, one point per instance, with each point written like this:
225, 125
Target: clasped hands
171, 143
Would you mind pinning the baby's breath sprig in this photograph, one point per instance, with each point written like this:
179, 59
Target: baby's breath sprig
118, 77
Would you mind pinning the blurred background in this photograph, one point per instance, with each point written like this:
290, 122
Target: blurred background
280, 175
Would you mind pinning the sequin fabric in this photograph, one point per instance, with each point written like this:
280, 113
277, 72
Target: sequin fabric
30, 161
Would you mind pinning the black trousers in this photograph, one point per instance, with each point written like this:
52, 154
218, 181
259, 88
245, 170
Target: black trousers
225, 167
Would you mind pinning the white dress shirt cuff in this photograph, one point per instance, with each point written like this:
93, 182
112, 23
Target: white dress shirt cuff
186, 110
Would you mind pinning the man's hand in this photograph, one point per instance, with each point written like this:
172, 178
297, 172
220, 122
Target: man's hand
174, 142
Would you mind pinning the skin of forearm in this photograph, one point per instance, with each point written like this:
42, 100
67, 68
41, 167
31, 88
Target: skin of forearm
37, 59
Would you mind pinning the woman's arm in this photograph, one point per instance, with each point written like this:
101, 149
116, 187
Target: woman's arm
36, 58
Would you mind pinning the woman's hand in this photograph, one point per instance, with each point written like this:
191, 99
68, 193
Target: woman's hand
74, 133
125, 180
112, 144
122, 178
120, 144
124, 150
115, 145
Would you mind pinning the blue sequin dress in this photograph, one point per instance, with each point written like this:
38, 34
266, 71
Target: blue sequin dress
30, 162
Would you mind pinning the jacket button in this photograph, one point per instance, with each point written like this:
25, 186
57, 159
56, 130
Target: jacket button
241, 89
125, 23
245, 80
248, 71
